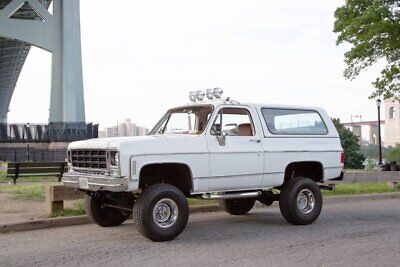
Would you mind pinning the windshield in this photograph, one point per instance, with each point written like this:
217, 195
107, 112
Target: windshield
188, 120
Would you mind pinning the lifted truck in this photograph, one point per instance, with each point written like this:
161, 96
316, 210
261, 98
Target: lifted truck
219, 149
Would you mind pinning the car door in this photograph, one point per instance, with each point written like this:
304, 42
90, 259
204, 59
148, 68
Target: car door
236, 158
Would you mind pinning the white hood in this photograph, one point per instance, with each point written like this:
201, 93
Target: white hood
146, 144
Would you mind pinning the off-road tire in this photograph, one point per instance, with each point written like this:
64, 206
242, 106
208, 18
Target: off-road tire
104, 216
238, 206
288, 201
144, 208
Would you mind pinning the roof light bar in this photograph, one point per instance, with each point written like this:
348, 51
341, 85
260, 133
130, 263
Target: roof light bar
218, 92
192, 96
199, 95
210, 94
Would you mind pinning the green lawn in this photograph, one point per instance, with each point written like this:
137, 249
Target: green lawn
29, 192
42, 179
78, 209
361, 188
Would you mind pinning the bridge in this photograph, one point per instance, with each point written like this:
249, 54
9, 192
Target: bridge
24, 23
373, 135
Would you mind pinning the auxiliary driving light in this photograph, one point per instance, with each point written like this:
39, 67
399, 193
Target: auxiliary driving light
218, 92
210, 94
192, 96
200, 95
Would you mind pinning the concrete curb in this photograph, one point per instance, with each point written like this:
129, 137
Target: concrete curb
44, 223
79, 220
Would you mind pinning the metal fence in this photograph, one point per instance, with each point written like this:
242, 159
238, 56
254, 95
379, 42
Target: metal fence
47, 133
22, 154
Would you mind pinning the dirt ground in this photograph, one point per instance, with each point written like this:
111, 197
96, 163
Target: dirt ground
12, 210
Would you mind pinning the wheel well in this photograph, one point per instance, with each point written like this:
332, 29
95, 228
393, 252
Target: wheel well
177, 174
309, 169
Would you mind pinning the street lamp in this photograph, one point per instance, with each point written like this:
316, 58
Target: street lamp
378, 105
28, 130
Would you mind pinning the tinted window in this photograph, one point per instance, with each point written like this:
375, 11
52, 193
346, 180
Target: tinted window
294, 121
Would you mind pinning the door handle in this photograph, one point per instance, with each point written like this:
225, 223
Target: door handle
255, 140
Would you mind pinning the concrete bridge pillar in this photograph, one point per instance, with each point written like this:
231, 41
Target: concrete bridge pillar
373, 134
58, 33
356, 129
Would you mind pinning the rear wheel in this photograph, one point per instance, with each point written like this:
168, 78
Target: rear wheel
237, 206
97, 209
300, 201
161, 212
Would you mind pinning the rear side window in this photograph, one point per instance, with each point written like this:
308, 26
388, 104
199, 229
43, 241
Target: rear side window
294, 121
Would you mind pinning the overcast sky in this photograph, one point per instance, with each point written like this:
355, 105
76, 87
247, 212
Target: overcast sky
142, 57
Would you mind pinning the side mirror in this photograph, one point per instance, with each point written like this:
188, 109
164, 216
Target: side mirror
222, 138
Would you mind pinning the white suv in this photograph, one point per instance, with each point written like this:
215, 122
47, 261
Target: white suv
219, 149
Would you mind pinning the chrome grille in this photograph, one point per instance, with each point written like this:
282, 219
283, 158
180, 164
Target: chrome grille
89, 159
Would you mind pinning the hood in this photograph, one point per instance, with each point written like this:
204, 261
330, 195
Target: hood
145, 144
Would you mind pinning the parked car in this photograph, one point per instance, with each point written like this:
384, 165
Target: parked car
234, 152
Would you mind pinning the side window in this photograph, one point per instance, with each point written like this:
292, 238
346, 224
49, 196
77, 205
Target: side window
294, 122
233, 122
392, 113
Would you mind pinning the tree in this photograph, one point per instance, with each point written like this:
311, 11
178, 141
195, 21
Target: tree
393, 154
353, 159
372, 28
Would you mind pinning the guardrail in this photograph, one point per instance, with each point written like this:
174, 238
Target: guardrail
371, 176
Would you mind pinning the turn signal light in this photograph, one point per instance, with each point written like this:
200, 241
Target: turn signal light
342, 157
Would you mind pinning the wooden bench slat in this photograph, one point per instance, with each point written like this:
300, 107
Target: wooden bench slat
55, 174
38, 171
36, 164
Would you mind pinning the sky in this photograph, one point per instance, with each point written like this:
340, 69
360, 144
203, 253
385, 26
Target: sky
141, 58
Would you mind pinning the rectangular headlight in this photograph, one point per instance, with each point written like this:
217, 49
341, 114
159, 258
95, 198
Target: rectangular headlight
114, 158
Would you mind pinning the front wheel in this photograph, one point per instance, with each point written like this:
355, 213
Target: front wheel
300, 201
161, 212
97, 209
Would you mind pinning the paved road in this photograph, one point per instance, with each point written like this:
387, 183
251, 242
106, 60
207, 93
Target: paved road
363, 233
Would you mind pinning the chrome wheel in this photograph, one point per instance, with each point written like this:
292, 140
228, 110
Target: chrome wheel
305, 201
165, 213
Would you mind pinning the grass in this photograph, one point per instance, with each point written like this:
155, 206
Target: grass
361, 188
78, 209
53, 179
27, 192
198, 202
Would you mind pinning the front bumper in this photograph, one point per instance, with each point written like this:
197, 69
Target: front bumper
94, 182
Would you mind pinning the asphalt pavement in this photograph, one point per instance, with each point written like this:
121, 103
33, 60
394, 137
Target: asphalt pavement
363, 233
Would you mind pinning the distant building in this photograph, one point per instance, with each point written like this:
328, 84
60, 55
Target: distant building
392, 122
125, 128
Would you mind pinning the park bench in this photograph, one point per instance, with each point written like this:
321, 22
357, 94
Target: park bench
35, 169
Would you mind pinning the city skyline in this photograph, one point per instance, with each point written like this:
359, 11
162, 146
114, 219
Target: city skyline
123, 128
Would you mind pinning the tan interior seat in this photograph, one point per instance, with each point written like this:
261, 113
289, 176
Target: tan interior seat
245, 129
